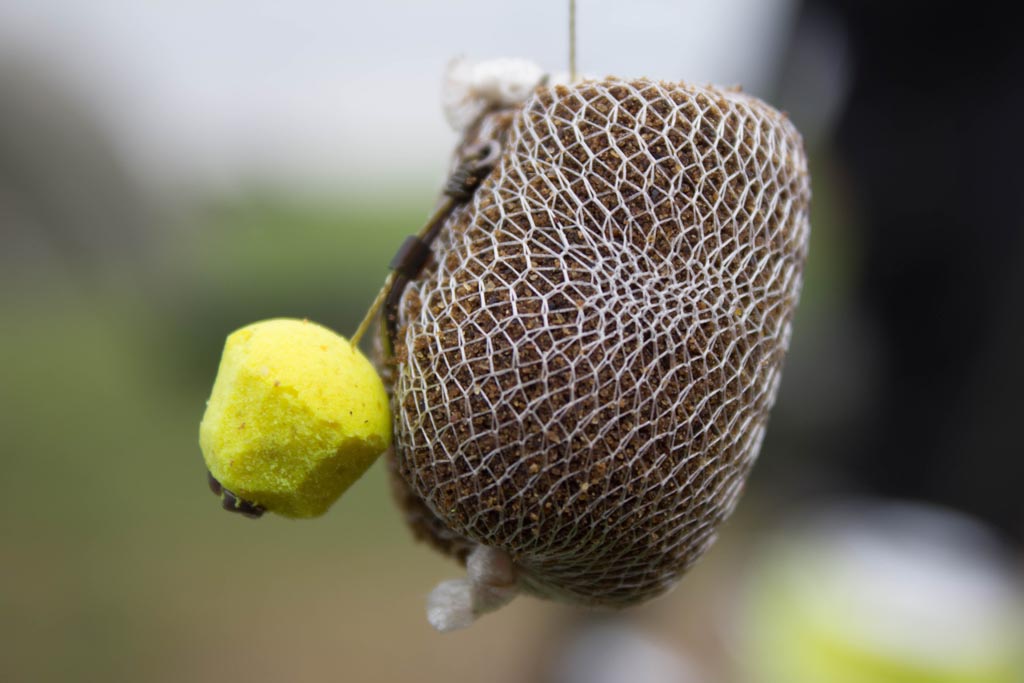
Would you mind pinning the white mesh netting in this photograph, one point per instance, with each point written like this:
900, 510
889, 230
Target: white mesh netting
583, 372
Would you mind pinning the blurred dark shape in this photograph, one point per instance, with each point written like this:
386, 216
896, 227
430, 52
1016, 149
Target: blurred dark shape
816, 76
929, 147
64, 194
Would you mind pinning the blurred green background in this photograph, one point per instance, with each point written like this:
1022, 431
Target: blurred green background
169, 173
117, 561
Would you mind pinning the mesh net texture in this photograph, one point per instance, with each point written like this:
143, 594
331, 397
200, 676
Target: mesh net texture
583, 372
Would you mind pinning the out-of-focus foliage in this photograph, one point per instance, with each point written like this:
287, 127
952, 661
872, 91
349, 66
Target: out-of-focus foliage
117, 288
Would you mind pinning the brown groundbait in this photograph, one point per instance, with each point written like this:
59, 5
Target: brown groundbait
583, 371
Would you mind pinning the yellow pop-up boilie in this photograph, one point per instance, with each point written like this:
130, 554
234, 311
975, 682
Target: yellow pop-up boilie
297, 415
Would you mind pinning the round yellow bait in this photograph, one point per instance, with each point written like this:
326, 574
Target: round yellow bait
297, 415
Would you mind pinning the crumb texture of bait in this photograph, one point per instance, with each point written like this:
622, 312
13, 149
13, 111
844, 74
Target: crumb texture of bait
583, 373
295, 417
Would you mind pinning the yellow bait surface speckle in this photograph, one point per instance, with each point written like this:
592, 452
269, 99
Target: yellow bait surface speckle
297, 414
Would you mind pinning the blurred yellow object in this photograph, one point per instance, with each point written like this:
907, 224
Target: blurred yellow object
882, 593
297, 415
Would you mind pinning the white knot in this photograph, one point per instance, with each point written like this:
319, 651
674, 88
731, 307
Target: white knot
470, 88
490, 583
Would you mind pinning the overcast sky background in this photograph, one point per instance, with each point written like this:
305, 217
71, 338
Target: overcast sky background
311, 93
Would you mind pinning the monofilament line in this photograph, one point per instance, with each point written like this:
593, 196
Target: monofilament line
572, 41
371, 313
425, 235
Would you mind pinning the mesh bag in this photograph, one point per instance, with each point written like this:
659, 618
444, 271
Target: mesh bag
582, 372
